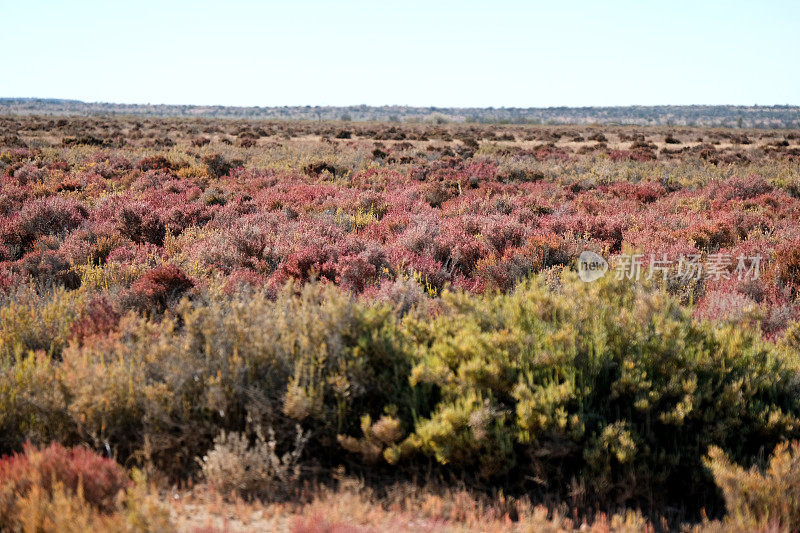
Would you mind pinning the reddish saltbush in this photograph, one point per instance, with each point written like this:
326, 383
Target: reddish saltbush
99, 318
718, 305
157, 289
641, 192
436, 213
46, 216
787, 264
243, 280
99, 478
640, 154
30, 174
47, 268
136, 254
310, 261
160, 163
354, 271
139, 223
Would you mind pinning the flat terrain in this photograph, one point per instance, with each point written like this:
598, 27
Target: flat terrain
355, 326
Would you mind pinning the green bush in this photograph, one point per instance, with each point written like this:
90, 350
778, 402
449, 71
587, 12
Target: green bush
606, 383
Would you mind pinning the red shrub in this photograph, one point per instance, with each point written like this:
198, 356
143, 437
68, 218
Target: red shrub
437, 193
641, 192
550, 152
140, 223
99, 318
155, 163
157, 289
504, 272
503, 232
354, 271
402, 293
787, 264
552, 250
459, 251
137, 254
28, 174
307, 262
47, 268
718, 305
243, 279
741, 188
47, 216
100, 478
218, 165
110, 166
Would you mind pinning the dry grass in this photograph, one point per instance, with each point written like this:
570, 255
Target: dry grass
353, 508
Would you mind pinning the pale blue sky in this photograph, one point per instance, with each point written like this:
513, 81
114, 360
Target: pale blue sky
453, 53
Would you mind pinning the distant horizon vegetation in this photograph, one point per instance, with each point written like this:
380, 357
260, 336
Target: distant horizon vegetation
726, 116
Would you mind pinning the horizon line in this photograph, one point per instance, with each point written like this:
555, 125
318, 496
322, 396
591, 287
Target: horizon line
411, 106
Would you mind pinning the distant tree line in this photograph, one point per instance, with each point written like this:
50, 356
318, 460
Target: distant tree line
778, 116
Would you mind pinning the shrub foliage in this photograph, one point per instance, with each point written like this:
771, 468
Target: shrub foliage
404, 294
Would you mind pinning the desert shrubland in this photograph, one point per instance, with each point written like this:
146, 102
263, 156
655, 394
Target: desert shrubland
400, 304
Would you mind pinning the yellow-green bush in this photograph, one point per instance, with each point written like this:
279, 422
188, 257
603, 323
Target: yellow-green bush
611, 384
32, 402
166, 389
34, 321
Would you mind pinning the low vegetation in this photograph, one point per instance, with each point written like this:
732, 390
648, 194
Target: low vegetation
257, 324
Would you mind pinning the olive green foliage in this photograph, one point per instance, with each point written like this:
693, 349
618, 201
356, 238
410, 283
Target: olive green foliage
614, 385
31, 322
162, 391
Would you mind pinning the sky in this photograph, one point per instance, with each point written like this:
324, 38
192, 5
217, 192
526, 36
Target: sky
432, 53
